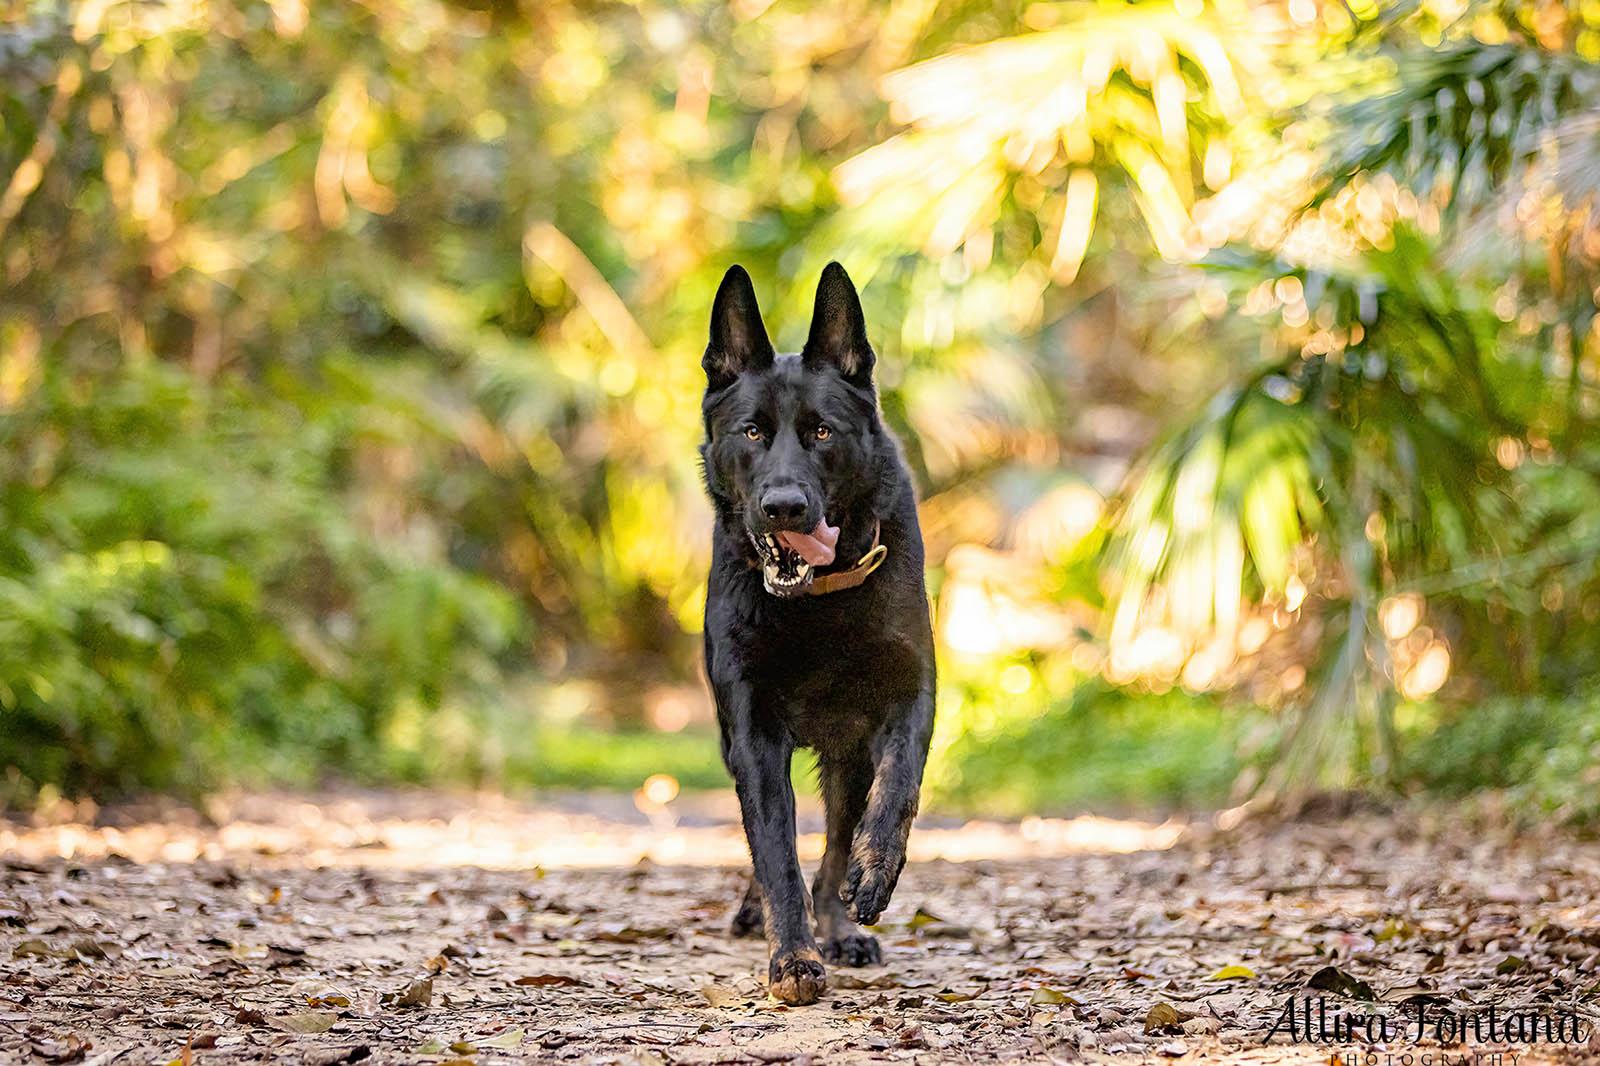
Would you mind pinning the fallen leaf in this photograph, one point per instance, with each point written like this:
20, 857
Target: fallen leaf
1164, 1016
630, 935
1233, 973
85, 948
1410, 993
1049, 996
311, 1021
722, 996
186, 1056
418, 993
431, 1046
81, 949
509, 1039
549, 980
327, 1001
850, 980
1394, 929
279, 958
946, 931
72, 1049
922, 918
1332, 979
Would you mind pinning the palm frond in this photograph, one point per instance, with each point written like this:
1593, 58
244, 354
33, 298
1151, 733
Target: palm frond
1456, 124
1133, 96
1361, 458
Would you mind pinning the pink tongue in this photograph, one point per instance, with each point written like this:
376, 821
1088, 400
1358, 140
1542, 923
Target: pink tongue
815, 547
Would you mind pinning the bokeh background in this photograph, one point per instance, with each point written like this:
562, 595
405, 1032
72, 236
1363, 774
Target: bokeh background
1245, 353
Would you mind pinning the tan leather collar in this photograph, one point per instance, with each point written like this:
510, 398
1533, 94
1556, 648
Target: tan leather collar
849, 579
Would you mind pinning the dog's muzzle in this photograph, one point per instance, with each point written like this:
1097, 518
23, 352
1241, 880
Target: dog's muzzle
783, 571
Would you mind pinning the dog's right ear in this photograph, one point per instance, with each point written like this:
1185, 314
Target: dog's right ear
738, 339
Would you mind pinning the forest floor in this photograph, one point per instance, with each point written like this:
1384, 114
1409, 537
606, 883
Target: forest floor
421, 929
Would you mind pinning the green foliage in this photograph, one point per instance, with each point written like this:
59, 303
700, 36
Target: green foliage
162, 629
1097, 748
1380, 445
1469, 120
588, 758
1540, 752
349, 362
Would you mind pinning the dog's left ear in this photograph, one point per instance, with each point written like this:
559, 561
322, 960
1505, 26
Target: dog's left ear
839, 330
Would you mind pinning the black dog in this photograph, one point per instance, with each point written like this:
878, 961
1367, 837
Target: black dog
817, 626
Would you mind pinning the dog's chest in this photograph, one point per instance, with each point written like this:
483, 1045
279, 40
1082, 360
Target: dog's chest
833, 689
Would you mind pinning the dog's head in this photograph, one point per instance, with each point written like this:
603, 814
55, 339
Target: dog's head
790, 439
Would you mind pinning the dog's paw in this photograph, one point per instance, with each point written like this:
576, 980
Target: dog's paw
796, 978
868, 884
748, 921
853, 949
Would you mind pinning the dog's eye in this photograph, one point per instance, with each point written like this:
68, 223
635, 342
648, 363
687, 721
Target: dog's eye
753, 431
823, 432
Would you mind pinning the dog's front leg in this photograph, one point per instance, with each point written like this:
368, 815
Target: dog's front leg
758, 757
879, 852
846, 779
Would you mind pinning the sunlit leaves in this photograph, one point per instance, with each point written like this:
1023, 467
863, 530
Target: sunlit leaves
1370, 454
1123, 90
1462, 124
1236, 488
1077, 225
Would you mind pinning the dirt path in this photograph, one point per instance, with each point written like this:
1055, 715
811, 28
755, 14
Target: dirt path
352, 931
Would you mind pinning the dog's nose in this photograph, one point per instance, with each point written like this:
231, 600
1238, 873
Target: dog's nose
784, 505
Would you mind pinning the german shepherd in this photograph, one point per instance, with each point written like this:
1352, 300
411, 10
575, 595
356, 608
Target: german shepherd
817, 628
